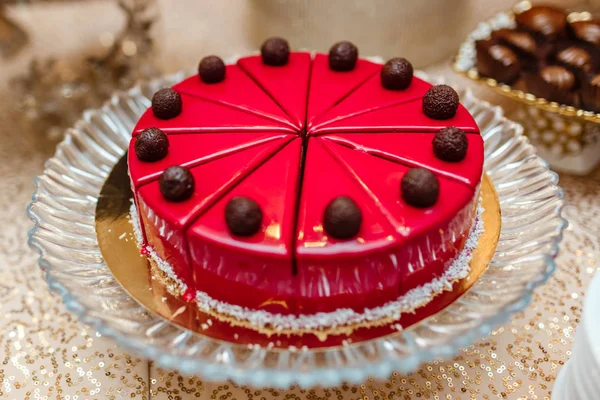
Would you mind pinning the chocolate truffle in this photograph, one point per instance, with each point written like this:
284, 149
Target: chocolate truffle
548, 22
521, 43
275, 51
575, 58
450, 144
166, 104
497, 61
211, 69
440, 102
243, 216
553, 83
588, 31
590, 94
176, 183
343, 56
396, 74
342, 218
420, 188
558, 77
151, 144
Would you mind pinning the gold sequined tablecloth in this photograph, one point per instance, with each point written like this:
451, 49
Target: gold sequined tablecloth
47, 353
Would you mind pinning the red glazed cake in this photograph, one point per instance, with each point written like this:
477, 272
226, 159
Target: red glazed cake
290, 185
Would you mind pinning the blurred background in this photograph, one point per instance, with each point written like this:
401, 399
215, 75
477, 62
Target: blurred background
58, 57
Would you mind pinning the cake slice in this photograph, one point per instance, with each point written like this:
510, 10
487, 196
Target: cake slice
189, 150
430, 235
256, 269
237, 90
329, 87
416, 150
286, 84
369, 97
199, 115
340, 273
164, 222
404, 117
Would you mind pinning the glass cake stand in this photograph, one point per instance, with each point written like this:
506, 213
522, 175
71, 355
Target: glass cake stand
64, 235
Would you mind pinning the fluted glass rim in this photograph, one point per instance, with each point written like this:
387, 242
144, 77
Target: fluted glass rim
84, 159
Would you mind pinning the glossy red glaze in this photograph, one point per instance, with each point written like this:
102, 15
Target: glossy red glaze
237, 90
259, 265
329, 87
239, 137
199, 115
287, 85
403, 117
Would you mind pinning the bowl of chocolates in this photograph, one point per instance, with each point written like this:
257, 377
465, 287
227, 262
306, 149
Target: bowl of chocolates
548, 60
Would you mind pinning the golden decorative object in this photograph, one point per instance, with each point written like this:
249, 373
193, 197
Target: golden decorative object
566, 136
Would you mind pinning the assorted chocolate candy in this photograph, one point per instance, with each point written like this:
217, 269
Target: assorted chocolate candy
522, 43
545, 55
590, 94
543, 21
498, 60
552, 82
587, 31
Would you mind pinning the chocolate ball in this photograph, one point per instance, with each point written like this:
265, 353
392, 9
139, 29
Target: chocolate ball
343, 56
450, 144
342, 218
588, 31
243, 216
497, 61
396, 74
275, 51
166, 103
575, 58
549, 22
520, 42
176, 183
211, 69
420, 188
440, 102
151, 144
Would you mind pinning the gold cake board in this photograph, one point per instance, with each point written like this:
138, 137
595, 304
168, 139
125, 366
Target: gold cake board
148, 285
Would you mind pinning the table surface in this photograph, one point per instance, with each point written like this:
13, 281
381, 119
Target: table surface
47, 353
